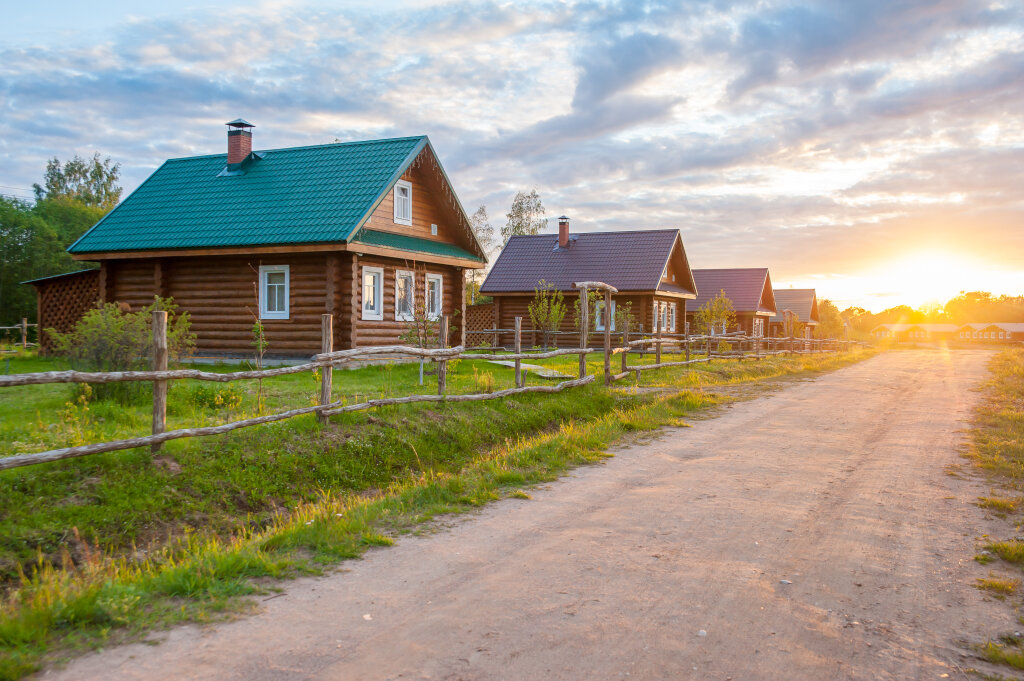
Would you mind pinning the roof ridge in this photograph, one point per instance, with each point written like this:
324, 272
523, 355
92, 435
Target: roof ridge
305, 146
617, 231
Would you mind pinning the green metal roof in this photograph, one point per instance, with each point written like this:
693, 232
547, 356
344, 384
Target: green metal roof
413, 244
302, 195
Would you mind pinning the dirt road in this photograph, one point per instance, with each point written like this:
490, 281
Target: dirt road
809, 534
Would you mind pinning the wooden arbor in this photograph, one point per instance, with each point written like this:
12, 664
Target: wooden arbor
584, 287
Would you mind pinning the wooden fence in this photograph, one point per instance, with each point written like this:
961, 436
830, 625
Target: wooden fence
23, 328
159, 375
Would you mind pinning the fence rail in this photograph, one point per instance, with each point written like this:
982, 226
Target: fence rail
328, 358
23, 328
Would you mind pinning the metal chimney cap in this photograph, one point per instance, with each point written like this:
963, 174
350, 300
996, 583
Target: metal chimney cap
240, 123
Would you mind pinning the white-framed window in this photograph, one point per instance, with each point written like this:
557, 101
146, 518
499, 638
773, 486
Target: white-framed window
599, 316
1001, 336
274, 291
373, 292
668, 318
434, 295
758, 327
405, 285
403, 202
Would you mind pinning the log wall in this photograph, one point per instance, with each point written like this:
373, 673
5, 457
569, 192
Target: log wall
219, 293
506, 308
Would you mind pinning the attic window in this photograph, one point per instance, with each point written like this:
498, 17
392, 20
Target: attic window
403, 203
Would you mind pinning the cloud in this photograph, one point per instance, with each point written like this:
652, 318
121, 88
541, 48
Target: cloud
623, 64
798, 136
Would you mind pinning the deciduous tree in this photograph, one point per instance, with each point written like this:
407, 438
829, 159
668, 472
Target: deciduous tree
526, 215
92, 182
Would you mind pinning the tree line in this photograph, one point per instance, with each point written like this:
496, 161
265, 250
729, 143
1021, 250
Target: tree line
34, 236
968, 307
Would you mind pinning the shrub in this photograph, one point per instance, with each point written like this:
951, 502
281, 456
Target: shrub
215, 396
112, 338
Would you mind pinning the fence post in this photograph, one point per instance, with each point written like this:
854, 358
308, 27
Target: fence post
584, 328
159, 364
327, 371
687, 345
657, 335
519, 348
442, 365
625, 344
494, 341
607, 337
24, 333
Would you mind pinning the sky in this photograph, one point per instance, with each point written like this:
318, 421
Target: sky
873, 150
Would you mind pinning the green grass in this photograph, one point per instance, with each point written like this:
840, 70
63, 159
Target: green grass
104, 548
997, 446
998, 586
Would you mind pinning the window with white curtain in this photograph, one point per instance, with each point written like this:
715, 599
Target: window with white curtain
403, 202
373, 292
599, 316
404, 286
434, 295
274, 291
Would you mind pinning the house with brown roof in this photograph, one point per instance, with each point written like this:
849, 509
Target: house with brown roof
915, 332
800, 301
370, 232
988, 332
749, 289
648, 267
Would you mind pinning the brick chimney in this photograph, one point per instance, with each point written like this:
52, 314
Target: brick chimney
563, 232
239, 141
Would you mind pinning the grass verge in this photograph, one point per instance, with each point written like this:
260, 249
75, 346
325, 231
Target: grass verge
997, 446
286, 500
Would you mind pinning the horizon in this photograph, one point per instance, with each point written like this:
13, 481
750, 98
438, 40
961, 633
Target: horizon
874, 154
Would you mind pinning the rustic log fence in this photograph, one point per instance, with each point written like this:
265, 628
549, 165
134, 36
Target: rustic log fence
23, 329
328, 359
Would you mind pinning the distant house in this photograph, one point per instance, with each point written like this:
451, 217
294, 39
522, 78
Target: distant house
648, 267
914, 332
749, 289
989, 332
365, 231
801, 301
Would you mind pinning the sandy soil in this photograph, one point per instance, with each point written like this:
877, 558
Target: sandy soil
809, 534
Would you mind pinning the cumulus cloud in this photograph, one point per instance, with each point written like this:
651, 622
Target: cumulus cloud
801, 136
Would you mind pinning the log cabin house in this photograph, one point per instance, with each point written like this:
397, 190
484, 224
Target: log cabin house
648, 267
366, 231
986, 332
915, 332
749, 289
802, 302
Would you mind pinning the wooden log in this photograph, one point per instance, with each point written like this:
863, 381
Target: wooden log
326, 372
597, 285
648, 367
657, 333
687, 347
584, 328
519, 350
20, 460
24, 333
625, 347
476, 397
159, 364
442, 365
607, 331
523, 355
